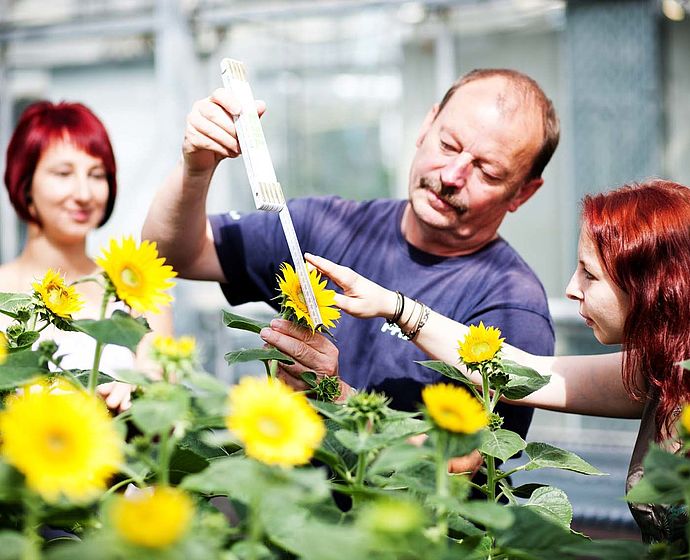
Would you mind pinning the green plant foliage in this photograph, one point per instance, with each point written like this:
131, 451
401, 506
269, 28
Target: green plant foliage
254, 354
120, 329
543, 455
368, 492
502, 444
233, 321
21, 367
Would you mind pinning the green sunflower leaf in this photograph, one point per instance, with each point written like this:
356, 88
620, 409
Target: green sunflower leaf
233, 321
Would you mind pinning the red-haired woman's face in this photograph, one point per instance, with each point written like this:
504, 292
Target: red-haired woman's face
69, 192
603, 305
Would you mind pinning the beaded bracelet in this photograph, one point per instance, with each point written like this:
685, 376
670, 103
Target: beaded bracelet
423, 318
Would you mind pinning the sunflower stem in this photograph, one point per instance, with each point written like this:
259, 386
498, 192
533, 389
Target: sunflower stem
32, 550
255, 530
93, 377
490, 461
164, 459
115, 487
361, 457
165, 372
361, 468
67, 374
273, 369
441, 481
97, 279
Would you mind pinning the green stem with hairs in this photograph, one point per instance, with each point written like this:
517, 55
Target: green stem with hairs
490, 461
255, 530
164, 453
93, 377
32, 550
273, 369
441, 482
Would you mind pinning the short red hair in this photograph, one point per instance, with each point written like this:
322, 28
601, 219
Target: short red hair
41, 124
642, 233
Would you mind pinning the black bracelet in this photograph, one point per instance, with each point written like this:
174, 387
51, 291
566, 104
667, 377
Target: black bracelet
399, 308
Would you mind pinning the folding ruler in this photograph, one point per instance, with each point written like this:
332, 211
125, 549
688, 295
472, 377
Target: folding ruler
268, 194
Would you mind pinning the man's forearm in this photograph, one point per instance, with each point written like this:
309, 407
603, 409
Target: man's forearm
177, 222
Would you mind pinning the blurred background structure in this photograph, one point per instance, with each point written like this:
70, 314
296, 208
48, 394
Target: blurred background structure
347, 84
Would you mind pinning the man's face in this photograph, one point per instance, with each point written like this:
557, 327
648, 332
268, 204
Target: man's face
473, 159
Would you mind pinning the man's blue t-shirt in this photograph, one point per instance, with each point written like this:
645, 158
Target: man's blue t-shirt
493, 285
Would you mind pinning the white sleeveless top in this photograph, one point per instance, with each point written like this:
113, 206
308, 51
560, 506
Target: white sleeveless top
78, 348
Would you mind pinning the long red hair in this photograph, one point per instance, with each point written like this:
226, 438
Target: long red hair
642, 233
41, 124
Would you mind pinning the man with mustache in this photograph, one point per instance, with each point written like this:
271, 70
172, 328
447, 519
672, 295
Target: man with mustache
480, 154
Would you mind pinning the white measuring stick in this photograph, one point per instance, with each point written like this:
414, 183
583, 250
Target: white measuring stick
267, 192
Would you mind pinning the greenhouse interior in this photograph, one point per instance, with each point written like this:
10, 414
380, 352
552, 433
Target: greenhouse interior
347, 85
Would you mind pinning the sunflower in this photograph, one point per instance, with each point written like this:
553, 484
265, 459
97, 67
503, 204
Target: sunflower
62, 439
139, 276
392, 516
154, 517
3, 347
480, 344
454, 409
59, 298
174, 349
276, 425
293, 298
685, 418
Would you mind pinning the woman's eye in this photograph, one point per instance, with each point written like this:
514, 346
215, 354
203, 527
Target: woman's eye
447, 147
588, 274
62, 172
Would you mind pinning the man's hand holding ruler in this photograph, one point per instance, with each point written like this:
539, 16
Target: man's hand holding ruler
268, 194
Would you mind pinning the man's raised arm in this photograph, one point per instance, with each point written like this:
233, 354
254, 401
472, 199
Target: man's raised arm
177, 218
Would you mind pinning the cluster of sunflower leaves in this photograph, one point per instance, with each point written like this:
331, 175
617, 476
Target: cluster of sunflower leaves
365, 493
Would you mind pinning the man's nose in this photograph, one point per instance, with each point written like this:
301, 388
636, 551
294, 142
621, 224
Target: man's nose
457, 170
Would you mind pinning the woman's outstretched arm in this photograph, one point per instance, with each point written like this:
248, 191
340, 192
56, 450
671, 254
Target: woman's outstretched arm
579, 384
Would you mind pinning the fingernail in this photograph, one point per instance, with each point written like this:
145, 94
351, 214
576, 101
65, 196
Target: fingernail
266, 334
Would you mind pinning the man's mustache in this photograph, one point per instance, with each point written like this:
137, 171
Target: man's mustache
447, 194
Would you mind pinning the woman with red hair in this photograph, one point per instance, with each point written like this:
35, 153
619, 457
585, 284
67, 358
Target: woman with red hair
633, 285
61, 180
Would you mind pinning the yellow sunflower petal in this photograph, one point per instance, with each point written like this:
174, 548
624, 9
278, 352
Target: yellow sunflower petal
181, 348
3, 347
480, 344
276, 425
291, 291
59, 298
454, 409
685, 418
155, 517
140, 277
62, 439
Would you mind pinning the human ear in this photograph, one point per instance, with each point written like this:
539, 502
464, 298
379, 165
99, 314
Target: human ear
524, 193
426, 124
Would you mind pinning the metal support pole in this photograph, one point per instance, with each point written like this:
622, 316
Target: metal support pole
8, 218
175, 70
444, 50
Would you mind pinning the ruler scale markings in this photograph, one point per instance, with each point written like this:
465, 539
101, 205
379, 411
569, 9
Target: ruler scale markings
267, 192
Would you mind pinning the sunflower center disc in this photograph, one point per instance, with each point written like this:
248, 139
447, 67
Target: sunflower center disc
56, 442
130, 277
269, 427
